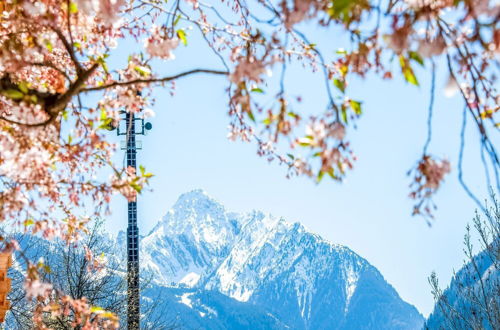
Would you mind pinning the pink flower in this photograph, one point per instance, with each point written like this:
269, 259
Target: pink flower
109, 10
302, 10
105, 10
36, 288
36, 8
248, 68
432, 48
316, 132
337, 131
398, 41
434, 171
194, 3
159, 45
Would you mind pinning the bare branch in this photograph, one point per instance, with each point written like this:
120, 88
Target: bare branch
154, 80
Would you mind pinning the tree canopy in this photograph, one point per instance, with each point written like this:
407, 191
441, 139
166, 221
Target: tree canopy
59, 94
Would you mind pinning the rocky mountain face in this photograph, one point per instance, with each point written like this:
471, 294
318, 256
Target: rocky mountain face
218, 267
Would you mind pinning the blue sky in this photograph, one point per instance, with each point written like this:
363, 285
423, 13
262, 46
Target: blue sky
370, 212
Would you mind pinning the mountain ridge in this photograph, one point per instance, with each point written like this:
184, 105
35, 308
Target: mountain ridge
268, 262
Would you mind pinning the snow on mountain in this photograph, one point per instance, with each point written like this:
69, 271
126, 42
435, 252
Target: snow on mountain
300, 278
192, 237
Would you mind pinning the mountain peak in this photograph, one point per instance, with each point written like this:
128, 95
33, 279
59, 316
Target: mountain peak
264, 260
193, 196
196, 199
197, 215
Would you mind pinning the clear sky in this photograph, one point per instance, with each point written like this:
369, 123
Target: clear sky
370, 212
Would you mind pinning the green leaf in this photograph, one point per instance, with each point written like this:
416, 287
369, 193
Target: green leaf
104, 115
77, 45
340, 84
343, 113
267, 121
29, 222
292, 157
304, 142
96, 309
101, 60
347, 10
356, 107
65, 115
407, 71
73, 8
251, 116
177, 19
320, 176
13, 94
343, 70
410, 77
416, 57
142, 169
339, 6
23, 87
49, 46
136, 187
257, 90
47, 269
143, 71
182, 35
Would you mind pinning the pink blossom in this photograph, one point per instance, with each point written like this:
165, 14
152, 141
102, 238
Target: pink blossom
431, 48
433, 4
36, 8
434, 171
160, 45
109, 10
105, 10
302, 10
36, 288
248, 68
239, 134
337, 131
398, 41
194, 3
316, 132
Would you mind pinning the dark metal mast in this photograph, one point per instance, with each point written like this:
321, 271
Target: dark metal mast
133, 307
133, 290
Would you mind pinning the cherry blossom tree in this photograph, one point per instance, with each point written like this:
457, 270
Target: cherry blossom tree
59, 94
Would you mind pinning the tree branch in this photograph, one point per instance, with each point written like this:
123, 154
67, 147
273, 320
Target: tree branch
54, 104
69, 49
154, 80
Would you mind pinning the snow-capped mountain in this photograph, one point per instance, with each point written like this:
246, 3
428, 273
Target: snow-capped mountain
298, 278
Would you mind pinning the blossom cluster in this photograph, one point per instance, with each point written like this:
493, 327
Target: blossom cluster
54, 54
429, 174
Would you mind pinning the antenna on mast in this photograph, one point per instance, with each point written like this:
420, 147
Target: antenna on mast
131, 146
